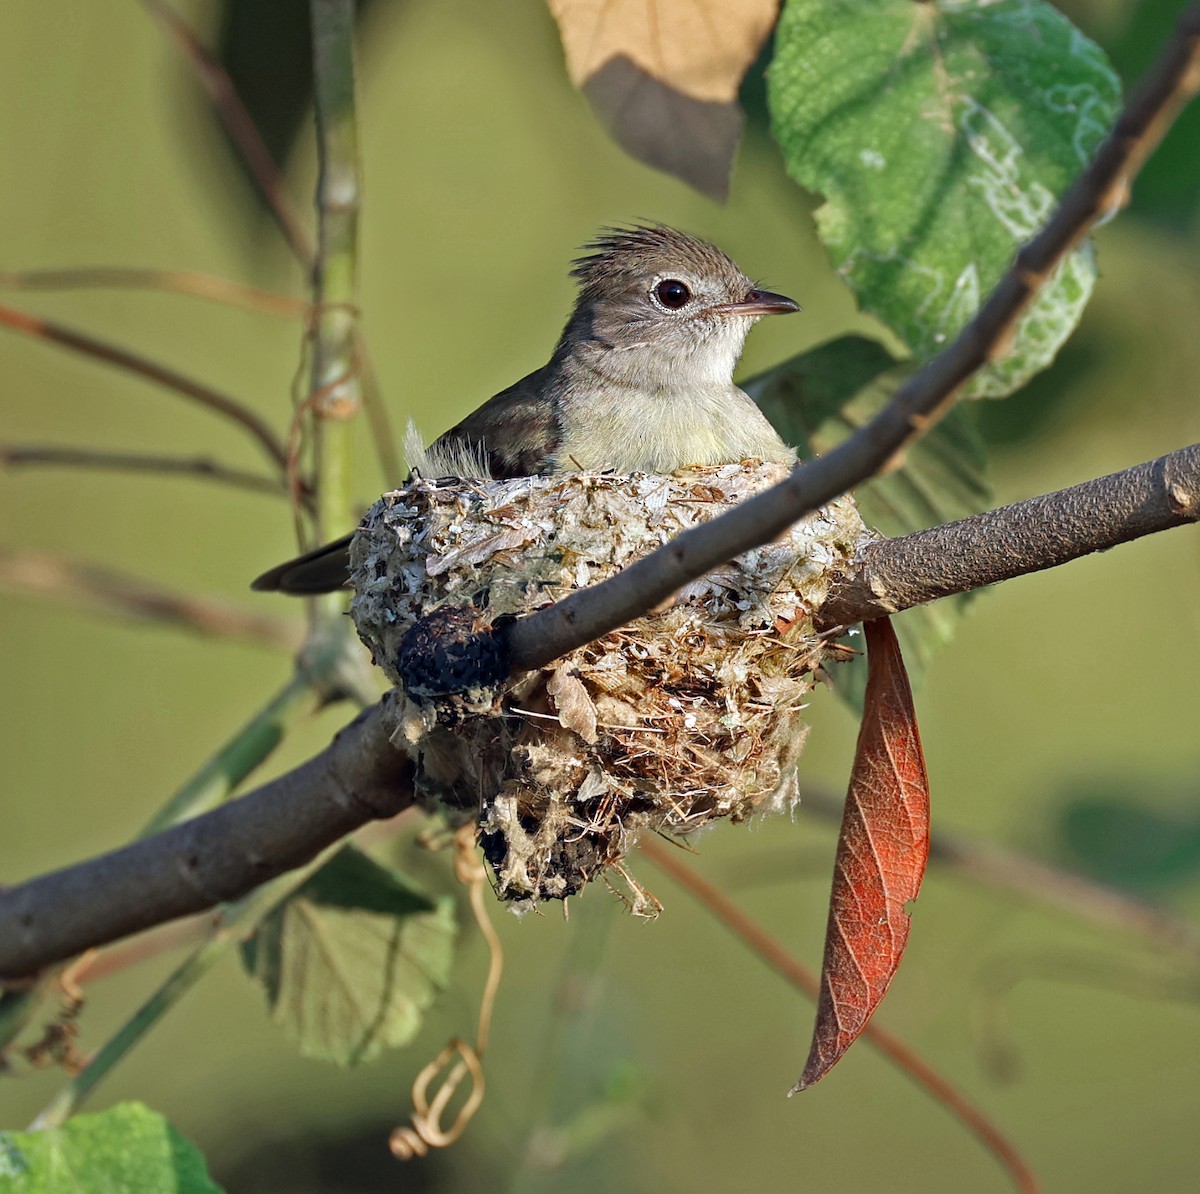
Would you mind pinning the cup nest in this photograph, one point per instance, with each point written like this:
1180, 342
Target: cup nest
686, 715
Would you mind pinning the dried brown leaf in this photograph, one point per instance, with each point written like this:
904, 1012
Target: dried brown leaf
700, 48
663, 76
881, 856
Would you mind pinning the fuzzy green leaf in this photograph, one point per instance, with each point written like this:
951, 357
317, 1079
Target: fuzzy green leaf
815, 400
941, 135
128, 1149
353, 959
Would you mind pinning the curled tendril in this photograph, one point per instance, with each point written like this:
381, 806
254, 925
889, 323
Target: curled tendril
425, 1130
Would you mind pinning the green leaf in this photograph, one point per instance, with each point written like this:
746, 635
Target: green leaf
353, 959
941, 134
815, 400
352, 879
128, 1149
1128, 831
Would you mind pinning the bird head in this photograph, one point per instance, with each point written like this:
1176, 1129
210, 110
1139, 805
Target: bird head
663, 309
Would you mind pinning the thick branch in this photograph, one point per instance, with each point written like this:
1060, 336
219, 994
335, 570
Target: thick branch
1028, 536
538, 638
360, 775
220, 856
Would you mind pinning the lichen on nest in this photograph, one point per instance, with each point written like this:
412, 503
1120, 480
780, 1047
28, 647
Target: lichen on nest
684, 716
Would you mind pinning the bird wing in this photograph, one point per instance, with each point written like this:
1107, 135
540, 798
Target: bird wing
517, 431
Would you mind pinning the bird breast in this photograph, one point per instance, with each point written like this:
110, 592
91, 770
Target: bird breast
631, 431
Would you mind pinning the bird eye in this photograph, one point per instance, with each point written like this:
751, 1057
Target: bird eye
672, 293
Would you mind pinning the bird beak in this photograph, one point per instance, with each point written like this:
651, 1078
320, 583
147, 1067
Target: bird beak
759, 302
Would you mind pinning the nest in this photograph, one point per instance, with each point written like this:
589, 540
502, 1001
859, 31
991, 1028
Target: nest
684, 716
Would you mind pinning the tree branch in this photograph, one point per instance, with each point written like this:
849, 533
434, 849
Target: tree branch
240, 128
54, 455
291, 819
213, 858
752, 935
987, 864
361, 776
1028, 536
538, 638
222, 404
175, 281
75, 583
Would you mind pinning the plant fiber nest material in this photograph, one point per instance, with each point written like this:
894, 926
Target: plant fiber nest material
686, 715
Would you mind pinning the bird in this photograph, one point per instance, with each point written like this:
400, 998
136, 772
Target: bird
640, 381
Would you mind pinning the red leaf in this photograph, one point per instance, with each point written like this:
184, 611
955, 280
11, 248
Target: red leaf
880, 862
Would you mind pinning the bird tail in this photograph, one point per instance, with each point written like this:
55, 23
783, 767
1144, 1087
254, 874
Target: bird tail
324, 570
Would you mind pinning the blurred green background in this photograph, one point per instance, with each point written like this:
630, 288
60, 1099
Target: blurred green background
1063, 722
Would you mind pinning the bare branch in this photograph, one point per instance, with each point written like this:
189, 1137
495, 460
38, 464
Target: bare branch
1009, 870
213, 858
230, 408
88, 587
271, 184
752, 935
178, 281
240, 128
361, 775
1028, 536
51, 455
1103, 186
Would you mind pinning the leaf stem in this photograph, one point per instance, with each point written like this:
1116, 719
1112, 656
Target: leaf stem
335, 391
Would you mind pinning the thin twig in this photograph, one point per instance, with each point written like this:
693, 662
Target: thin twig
1011, 871
541, 637
997, 980
239, 125
378, 419
190, 931
757, 939
96, 589
230, 408
200, 467
177, 281
240, 128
